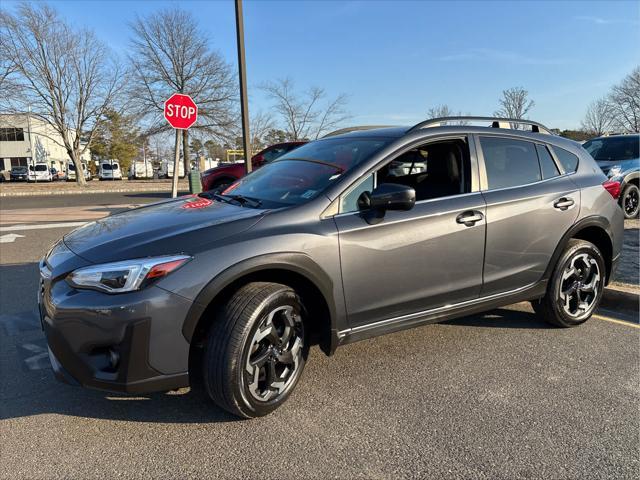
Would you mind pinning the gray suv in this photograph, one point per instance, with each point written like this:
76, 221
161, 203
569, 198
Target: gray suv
330, 244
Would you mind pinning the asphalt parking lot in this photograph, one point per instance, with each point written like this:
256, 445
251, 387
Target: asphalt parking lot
500, 395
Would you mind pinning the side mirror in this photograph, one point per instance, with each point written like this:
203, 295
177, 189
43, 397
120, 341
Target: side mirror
387, 196
392, 196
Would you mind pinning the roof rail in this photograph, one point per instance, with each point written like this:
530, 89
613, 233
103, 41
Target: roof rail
495, 123
353, 129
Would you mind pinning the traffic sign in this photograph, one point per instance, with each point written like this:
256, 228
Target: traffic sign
180, 111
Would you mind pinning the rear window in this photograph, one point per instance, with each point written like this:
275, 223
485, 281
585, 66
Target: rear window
41, 168
106, 166
509, 163
568, 160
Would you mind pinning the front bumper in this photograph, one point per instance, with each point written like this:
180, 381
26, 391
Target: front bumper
130, 342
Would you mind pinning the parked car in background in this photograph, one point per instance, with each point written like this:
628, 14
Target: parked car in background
39, 173
56, 174
141, 170
324, 245
71, 172
19, 173
619, 158
109, 170
226, 173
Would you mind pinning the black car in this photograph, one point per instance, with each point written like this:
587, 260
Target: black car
19, 174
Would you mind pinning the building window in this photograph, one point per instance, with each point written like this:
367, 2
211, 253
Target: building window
11, 135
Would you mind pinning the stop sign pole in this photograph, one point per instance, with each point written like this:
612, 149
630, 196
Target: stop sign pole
181, 112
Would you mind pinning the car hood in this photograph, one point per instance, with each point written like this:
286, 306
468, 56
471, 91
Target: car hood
184, 225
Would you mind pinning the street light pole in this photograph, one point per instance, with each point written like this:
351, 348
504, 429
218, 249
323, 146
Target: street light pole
242, 70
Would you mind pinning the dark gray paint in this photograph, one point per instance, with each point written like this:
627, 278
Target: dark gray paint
414, 266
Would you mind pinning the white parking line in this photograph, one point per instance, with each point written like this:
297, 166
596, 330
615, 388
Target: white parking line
14, 228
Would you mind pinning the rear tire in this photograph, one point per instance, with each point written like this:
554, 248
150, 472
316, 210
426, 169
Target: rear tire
256, 349
630, 201
575, 287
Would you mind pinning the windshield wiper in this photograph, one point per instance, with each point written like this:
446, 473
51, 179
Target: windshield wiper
242, 200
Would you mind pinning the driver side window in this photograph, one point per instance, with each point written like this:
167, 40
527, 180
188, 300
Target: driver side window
434, 170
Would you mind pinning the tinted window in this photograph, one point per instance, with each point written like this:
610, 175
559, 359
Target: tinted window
614, 148
41, 168
567, 159
509, 163
274, 153
547, 165
106, 166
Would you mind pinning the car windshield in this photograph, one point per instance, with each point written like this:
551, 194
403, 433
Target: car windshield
19, 169
614, 148
302, 174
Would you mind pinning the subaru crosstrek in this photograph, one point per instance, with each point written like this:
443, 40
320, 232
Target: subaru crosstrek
330, 244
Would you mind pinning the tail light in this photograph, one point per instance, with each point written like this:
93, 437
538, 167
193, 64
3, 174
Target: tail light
613, 188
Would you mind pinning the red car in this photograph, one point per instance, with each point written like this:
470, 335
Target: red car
227, 173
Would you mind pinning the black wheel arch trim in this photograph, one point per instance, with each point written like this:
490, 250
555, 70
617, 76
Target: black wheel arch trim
591, 221
294, 262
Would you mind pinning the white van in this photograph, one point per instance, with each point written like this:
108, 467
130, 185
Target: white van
39, 173
141, 170
71, 172
109, 170
166, 169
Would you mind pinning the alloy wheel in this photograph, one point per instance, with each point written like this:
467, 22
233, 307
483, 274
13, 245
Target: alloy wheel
579, 286
630, 202
275, 354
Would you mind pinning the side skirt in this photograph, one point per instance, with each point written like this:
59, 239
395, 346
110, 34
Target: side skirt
440, 314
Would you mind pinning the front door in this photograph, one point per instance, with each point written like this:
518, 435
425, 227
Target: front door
416, 260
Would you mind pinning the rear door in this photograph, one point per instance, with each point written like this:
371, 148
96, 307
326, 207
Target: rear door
531, 202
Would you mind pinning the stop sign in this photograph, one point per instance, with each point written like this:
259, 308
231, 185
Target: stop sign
180, 111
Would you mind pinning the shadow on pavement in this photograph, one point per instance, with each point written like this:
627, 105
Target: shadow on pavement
502, 318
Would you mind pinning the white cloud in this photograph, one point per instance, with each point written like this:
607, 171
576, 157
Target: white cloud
606, 21
503, 56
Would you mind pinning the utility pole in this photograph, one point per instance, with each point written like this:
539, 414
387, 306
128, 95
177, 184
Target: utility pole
242, 70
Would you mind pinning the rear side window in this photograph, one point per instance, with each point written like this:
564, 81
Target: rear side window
547, 165
509, 163
568, 160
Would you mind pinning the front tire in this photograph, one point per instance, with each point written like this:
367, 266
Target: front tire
575, 287
630, 201
256, 349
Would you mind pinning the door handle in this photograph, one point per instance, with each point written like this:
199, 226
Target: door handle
469, 218
563, 203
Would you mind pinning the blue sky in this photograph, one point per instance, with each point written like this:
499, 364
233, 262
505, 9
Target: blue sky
396, 59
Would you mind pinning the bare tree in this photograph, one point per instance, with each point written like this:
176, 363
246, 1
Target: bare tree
515, 103
599, 117
440, 111
261, 124
306, 115
66, 78
625, 102
169, 54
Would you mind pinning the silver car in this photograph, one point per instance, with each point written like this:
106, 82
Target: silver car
330, 244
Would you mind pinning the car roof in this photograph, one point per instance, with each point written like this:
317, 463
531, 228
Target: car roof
624, 135
399, 132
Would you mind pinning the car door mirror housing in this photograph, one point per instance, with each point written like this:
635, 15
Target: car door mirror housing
389, 196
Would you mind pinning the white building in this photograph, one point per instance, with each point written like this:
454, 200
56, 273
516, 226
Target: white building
25, 139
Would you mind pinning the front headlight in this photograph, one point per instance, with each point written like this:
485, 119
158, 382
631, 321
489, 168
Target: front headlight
614, 171
126, 276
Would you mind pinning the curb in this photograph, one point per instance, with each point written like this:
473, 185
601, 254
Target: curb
615, 299
83, 192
